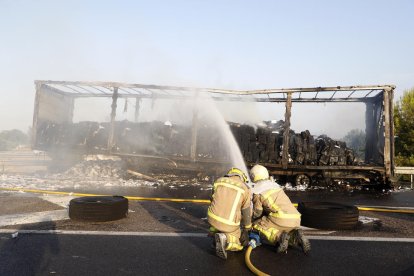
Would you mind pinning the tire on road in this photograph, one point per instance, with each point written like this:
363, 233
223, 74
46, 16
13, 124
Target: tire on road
328, 215
98, 208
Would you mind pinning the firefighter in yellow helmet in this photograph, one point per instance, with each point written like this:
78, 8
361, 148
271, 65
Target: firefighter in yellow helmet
229, 210
274, 216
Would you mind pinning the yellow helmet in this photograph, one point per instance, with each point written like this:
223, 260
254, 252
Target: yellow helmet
235, 171
258, 172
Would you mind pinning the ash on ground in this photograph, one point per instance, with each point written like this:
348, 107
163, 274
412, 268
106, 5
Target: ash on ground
100, 171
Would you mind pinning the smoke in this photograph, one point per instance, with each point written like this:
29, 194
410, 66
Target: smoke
93, 109
333, 119
241, 112
165, 125
212, 114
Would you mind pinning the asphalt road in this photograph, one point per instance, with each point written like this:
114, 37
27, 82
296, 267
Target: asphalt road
62, 254
128, 254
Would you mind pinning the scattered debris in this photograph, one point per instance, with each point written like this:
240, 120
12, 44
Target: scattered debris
97, 168
140, 175
365, 219
377, 225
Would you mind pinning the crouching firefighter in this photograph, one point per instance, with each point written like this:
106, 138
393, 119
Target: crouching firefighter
274, 216
230, 209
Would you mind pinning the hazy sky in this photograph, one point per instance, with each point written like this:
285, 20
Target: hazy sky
223, 44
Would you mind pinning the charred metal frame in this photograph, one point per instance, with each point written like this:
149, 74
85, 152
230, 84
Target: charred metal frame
376, 97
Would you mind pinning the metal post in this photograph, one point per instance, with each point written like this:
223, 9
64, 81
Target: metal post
71, 103
370, 134
137, 103
387, 142
392, 133
194, 130
412, 181
113, 114
35, 116
285, 153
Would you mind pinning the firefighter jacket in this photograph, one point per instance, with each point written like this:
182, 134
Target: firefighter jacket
270, 200
230, 204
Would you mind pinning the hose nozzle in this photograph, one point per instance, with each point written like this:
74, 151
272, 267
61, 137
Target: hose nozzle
254, 239
252, 244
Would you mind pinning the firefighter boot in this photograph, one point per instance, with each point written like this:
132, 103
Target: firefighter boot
283, 242
299, 239
221, 241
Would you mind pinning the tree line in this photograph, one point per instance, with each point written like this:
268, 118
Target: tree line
11, 139
404, 129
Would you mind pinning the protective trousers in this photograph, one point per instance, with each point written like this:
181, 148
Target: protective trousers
269, 230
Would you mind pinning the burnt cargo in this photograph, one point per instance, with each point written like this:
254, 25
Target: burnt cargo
286, 153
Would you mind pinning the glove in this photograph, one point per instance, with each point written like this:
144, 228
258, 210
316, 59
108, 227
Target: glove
244, 238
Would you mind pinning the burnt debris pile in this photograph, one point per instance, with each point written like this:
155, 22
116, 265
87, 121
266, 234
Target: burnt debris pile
148, 138
262, 144
97, 167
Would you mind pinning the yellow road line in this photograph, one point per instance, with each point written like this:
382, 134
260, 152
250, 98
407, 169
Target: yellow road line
139, 198
46, 192
204, 201
405, 211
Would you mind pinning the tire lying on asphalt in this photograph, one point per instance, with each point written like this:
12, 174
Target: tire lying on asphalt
98, 208
328, 215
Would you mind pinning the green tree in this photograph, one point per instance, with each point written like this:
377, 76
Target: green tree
10, 139
355, 139
404, 129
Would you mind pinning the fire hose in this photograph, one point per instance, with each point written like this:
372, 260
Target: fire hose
253, 243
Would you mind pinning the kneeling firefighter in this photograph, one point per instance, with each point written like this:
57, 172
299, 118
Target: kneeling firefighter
230, 208
274, 216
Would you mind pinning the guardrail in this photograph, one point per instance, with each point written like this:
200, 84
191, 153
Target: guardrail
23, 161
406, 170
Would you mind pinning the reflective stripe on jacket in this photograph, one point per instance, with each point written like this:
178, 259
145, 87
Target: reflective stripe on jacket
230, 196
275, 204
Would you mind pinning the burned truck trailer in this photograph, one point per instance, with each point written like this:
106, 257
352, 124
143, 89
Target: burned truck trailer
181, 147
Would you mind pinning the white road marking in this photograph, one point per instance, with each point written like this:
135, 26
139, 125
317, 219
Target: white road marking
314, 231
35, 217
377, 239
196, 235
317, 232
60, 200
106, 233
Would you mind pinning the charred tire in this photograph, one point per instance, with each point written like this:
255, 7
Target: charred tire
328, 215
98, 208
302, 180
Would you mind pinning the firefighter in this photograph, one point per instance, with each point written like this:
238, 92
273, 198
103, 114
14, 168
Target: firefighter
274, 216
229, 210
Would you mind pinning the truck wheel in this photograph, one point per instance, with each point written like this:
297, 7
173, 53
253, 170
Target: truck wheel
328, 215
302, 180
98, 208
